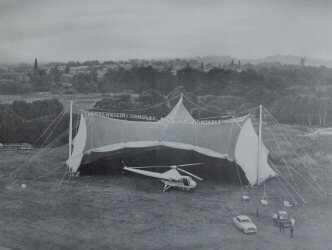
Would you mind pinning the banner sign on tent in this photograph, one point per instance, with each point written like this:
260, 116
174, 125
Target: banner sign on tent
120, 115
205, 122
126, 116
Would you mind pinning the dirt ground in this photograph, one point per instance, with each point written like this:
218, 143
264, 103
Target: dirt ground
125, 212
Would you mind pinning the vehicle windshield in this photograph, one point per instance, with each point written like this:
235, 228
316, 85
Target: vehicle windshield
245, 220
283, 216
185, 182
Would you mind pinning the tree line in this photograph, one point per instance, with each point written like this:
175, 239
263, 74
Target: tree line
26, 122
294, 94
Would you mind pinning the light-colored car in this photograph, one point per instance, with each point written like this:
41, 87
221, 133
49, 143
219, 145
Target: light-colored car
244, 223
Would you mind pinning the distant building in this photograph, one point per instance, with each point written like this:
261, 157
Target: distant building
111, 66
67, 77
302, 62
10, 75
14, 76
231, 65
174, 71
62, 68
35, 67
66, 85
79, 69
101, 72
125, 65
202, 66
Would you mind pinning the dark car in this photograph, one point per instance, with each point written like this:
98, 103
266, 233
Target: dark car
281, 217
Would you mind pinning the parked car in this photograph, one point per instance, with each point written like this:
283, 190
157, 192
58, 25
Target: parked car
281, 217
15, 146
244, 223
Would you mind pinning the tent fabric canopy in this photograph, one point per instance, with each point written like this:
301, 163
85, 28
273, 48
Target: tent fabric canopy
234, 140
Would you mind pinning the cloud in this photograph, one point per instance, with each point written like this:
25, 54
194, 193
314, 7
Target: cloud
66, 30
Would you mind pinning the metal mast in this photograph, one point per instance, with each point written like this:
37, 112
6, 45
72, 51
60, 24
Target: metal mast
259, 142
70, 127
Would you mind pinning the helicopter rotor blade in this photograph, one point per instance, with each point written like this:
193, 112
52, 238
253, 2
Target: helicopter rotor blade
184, 171
151, 167
176, 166
189, 164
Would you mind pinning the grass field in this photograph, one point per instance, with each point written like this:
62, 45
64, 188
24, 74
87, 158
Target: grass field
128, 212
81, 100
125, 212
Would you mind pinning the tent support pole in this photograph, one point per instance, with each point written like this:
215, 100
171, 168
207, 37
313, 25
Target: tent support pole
259, 142
70, 127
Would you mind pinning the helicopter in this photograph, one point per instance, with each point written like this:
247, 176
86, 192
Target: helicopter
170, 178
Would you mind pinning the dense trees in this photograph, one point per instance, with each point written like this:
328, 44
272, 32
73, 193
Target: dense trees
85, 83
295, 94
302, 109
142, 103
137, 79
41, 81
25, 122
36, 109
308, 110
13, 88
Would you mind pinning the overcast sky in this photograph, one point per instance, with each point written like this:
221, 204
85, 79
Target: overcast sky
64, 30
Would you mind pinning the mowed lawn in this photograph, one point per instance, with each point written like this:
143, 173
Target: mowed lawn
126, 212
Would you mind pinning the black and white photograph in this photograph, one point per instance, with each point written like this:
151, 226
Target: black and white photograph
166, 124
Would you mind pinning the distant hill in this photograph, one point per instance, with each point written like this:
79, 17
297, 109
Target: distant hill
215, 59
282, 59
290, 59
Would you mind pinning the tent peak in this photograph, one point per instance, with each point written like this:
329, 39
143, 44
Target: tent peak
179, 113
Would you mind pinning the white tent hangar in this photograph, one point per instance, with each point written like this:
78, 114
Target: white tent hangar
234, 139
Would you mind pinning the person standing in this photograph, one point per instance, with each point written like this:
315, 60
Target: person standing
291, 229
292, 221
275, 219
281, 226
